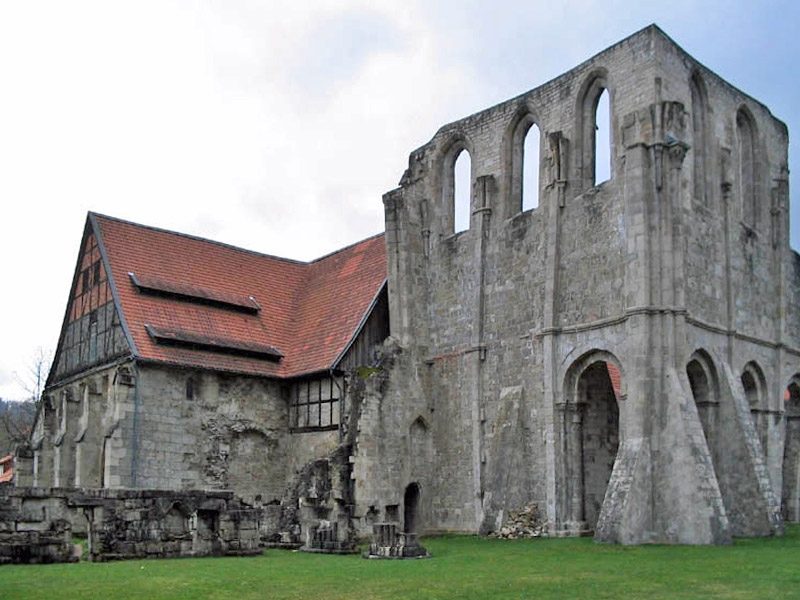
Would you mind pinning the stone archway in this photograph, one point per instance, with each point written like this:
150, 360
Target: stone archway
411, 508
790, 497
755, 385
591, 435
705, 392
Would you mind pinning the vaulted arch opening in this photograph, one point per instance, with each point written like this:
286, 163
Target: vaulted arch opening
755, 385
590, 435
791, 453
703, 382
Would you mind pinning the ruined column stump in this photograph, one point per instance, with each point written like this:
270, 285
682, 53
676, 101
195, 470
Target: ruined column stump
324, 539
387, 542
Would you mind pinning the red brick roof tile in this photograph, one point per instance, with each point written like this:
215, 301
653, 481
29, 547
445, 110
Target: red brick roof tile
309, 312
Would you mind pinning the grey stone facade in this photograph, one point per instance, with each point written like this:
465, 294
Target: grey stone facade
676, 274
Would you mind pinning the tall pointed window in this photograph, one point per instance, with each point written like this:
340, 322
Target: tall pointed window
530, 168
602, 139
595, 139
462, 191
745, 134
697, 89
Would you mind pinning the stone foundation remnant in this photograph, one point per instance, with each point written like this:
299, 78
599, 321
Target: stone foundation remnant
387, 542
37, 524
324, 538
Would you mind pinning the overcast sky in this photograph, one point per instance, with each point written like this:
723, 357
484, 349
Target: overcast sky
277, 126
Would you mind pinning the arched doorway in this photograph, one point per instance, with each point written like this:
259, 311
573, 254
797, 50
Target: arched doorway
754, 385
791, 454
411, 508
703, 382
591, 436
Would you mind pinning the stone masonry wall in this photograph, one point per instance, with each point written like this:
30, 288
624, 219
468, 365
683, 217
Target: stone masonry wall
147, 426
125, 524
498, 323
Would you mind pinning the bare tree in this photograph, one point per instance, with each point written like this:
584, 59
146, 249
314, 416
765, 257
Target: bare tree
16, 418
34, 379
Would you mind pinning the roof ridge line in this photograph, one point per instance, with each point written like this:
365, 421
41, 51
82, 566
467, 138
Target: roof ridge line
348, 247
199, 239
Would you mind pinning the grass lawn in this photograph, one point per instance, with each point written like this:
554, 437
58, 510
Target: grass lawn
462, 567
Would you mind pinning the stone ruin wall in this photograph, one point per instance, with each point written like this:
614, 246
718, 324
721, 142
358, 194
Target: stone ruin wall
229, 433
157, 437
440, 282
35, 524
491, 320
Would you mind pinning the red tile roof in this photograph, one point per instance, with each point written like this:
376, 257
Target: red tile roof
309, 312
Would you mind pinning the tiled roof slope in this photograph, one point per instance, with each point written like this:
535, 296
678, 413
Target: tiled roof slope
309, 311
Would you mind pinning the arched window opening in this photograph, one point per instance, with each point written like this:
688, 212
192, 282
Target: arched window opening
745, 130
697, 88
602, 139
190, 388
754, 385
790, 497
530, 168
462, 192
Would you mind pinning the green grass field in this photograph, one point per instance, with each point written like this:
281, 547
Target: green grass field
462, 567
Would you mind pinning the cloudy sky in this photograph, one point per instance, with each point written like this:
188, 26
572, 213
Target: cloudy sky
277, 125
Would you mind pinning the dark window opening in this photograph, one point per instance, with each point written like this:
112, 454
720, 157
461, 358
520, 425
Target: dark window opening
411, 508
316, 405
392, 513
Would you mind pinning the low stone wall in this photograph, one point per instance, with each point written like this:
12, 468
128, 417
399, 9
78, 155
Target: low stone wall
36, 524
34, 528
